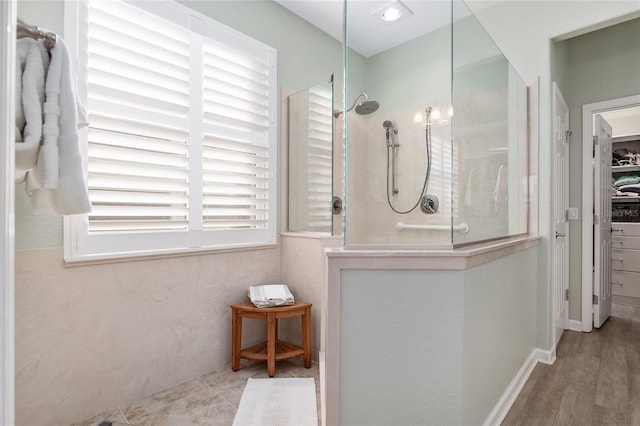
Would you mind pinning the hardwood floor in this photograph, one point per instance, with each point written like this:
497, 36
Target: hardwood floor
594, 381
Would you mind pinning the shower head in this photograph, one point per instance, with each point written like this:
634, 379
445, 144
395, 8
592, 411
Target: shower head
362, 108
367, 107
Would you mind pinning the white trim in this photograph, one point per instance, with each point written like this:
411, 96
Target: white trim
575, 325
504, 404
7, 208
587, 198
545, 356
501, 409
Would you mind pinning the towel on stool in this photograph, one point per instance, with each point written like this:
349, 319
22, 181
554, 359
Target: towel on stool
266, 296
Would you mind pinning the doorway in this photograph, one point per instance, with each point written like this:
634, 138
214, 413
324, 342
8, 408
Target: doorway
589, 111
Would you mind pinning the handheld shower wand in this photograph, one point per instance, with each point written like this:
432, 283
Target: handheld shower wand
393, 145
388, 125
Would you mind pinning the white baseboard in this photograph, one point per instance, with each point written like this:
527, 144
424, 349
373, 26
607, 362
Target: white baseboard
545, 357
510, 394
575, 325
499, 412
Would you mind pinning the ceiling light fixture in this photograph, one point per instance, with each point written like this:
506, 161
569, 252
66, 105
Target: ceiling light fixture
392, 12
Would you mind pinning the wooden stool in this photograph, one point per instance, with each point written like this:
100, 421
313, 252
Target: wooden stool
273, 349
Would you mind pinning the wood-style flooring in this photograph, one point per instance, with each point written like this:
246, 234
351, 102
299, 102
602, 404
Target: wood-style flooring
595, 379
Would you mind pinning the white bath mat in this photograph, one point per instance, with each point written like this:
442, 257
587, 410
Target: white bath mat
278, 402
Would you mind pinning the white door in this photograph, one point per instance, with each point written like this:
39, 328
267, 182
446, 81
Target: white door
561, 212
602, 222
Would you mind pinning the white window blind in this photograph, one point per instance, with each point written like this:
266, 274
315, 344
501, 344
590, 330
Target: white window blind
138, 99
181, 139
235, 161
320, 158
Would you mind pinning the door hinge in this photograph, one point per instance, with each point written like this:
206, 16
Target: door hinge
566, 294
596, 141
595, 299
567, 136
596, 219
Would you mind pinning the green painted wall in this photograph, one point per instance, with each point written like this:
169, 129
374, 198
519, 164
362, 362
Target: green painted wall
600, 65
524, 30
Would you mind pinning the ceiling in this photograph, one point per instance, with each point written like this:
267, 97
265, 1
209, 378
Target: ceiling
368, 34
625, 121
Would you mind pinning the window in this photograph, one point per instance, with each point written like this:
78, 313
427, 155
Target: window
181, 143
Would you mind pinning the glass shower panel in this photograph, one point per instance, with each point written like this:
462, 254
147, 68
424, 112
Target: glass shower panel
398, 150
311, 159
490, 187
440, 158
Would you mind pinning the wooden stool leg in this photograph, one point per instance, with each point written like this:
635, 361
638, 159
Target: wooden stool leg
306, 337
271, 343
236, 340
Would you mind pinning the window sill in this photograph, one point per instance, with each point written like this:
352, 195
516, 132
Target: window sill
161, 254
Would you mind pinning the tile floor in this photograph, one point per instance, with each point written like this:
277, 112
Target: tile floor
594, 381
211, 399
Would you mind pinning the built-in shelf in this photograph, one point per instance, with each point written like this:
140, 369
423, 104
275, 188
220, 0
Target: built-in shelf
621, 169
629, 138
623, 199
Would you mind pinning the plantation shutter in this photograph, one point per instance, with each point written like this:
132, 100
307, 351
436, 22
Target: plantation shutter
181, 145
235, 154
138, 104
320, 158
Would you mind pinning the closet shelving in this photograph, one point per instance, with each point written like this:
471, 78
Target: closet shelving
625, 237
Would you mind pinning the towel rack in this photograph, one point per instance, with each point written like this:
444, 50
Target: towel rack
463, 228
33, 31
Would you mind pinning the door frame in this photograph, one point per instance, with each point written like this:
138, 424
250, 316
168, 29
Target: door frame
7, 204
588, 110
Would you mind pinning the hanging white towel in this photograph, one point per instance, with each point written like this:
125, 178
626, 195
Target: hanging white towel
32, 61
57, 183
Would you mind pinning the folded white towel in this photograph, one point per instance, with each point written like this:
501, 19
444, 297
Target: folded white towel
264, 296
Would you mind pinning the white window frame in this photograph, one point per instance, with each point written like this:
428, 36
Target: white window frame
80, 246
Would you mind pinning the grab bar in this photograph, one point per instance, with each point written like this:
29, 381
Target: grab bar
462, 228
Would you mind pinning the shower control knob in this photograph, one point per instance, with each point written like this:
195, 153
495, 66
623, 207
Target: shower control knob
429, 204
336, 205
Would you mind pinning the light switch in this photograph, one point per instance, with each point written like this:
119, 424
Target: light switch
573, 213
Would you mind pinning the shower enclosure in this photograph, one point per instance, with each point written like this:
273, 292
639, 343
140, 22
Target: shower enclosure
441, 158
310, 144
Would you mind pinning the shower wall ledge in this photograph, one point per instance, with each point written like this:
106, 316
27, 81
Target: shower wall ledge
428, 259
312, 235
